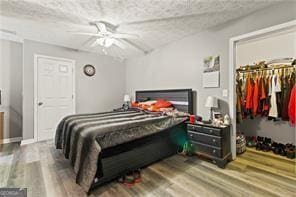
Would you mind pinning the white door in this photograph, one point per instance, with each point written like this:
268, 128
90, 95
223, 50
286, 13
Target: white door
55, 96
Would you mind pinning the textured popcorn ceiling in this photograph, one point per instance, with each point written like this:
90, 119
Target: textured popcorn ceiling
157, 22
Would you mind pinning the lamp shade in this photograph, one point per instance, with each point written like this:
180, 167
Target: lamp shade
212, 102
127, 98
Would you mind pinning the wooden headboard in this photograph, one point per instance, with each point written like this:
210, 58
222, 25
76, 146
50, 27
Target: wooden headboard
182, 99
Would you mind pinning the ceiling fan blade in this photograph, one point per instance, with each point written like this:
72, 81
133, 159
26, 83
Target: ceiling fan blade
87, 34
101, 27
95, 43
123, 35
119, 44
101, 41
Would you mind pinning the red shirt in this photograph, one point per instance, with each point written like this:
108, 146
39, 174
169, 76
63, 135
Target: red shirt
292, 106
249, 93
255, 97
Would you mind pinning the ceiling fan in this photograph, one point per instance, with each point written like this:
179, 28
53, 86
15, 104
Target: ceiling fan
108, 37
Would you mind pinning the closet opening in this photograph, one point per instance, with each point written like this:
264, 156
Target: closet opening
263, 66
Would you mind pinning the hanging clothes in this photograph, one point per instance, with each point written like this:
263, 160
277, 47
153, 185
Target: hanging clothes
275, 88
264, 93
239, 112
249, 96
286, 91
279, 96
292, 106
255, 96
266, 103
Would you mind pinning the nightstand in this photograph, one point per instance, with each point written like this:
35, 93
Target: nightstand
210, 141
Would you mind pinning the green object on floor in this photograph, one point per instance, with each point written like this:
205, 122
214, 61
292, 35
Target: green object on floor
188, 148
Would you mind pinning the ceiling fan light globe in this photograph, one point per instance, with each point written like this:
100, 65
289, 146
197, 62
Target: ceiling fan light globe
108, 42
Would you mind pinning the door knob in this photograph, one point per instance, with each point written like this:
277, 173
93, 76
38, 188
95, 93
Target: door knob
40, 103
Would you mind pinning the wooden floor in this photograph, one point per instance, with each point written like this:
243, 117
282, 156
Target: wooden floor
43, 170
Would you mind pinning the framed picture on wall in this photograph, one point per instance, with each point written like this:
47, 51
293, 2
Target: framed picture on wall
211, 73
217, 116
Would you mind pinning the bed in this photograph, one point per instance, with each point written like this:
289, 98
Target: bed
124, 141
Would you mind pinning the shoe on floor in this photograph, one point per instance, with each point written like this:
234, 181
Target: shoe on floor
251, 141
282, 150
274, 147
290, 151
259, 145
260, 139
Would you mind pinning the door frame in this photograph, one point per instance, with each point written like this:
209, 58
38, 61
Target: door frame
36, 56
232, 68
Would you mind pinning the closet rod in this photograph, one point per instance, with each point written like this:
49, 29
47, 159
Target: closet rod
263, 69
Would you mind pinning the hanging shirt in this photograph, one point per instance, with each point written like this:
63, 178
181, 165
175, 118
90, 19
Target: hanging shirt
249, 93
262, 96
286, 91
239, 101
266, 105
243, 87
270, 86
292, 106
275, 88
262, 89
255, 96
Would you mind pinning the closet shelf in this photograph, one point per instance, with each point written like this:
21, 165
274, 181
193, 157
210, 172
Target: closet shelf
256, 69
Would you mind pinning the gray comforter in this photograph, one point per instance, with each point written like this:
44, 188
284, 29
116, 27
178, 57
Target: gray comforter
82, 137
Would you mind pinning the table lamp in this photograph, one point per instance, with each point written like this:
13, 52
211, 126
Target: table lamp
127, 100
211, 102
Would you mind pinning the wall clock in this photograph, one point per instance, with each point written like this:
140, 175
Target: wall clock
89, 70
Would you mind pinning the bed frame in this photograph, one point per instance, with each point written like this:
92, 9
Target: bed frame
119, 160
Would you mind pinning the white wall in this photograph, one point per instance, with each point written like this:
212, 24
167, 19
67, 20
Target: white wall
180, 64
280, 45
11, 63
103, 92
274, 46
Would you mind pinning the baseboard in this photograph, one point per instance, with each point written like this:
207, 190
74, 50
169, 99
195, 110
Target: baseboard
28, 141
11, 140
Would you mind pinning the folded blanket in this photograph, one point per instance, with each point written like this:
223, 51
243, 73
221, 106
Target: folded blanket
83, 136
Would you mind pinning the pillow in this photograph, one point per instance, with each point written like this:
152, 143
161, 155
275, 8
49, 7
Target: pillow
154, 106
148, 102
135, 104
143, 105
160, 103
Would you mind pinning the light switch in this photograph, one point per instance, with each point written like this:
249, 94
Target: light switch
225, 93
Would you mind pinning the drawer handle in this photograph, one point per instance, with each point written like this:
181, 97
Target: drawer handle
214, 151
211, 131
214, 140
191, 135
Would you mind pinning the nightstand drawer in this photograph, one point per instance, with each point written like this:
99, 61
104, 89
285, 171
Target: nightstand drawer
212, 131
194, 128
204, 138
203, 148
